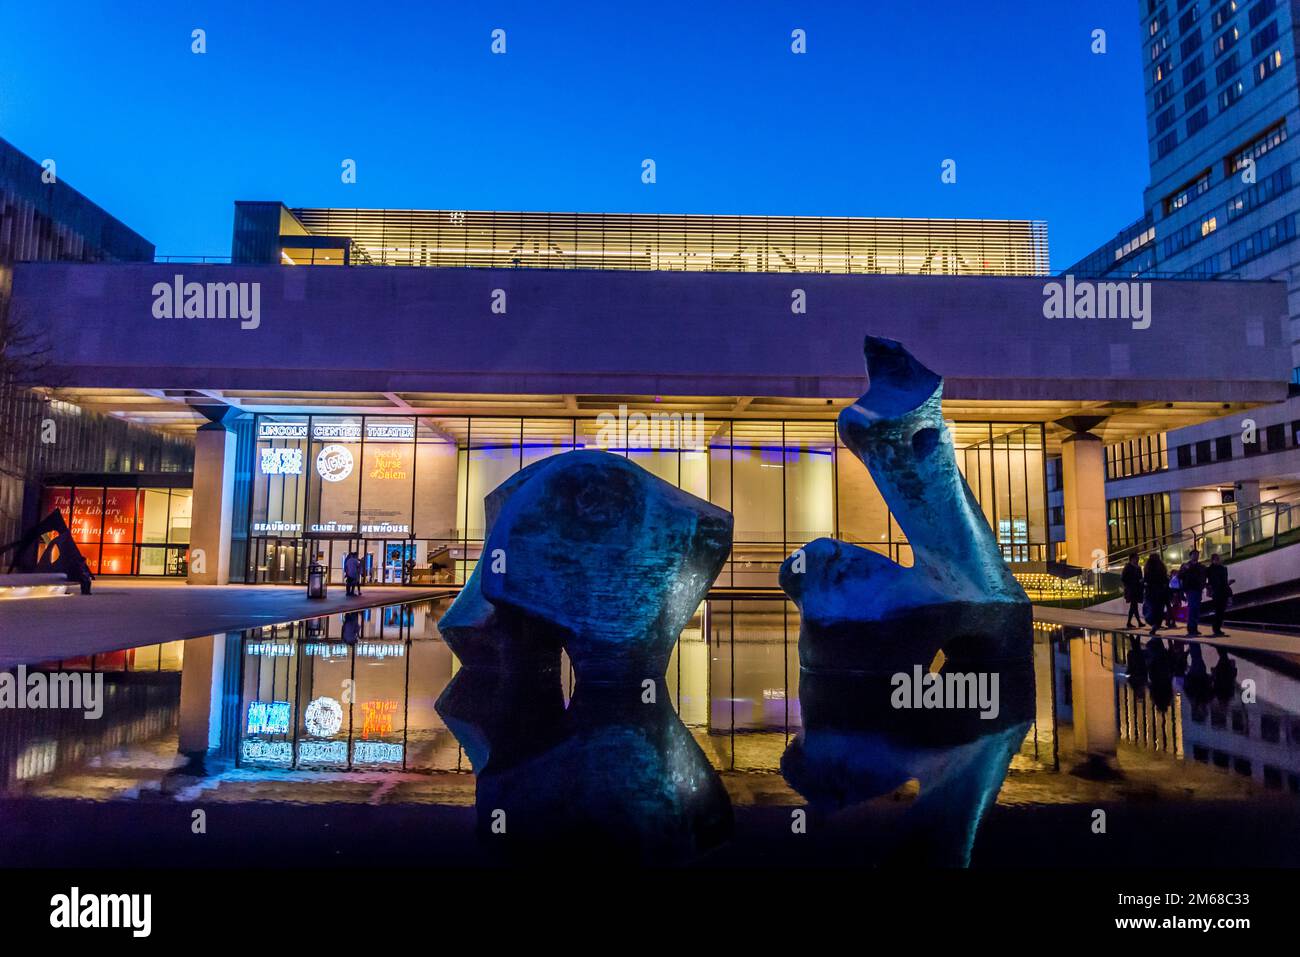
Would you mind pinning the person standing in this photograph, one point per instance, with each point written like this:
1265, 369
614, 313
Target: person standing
1220, 586
1132, 580
351, 572
1156, 582
1192, 576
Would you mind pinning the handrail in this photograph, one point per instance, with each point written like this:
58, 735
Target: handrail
1239, 529
1263, 524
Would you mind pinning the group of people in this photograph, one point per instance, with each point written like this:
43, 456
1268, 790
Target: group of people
1155, 597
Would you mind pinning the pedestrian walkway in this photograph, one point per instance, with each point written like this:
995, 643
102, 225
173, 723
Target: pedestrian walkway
1251, 640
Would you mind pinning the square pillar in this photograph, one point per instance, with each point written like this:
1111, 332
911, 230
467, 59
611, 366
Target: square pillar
214, 486
199, 730
1083, 480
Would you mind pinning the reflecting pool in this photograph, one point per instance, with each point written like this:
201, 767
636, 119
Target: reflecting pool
729, 754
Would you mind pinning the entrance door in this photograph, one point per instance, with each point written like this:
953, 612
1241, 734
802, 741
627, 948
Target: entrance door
279, 561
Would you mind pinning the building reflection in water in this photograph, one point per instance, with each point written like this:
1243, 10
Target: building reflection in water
358, 692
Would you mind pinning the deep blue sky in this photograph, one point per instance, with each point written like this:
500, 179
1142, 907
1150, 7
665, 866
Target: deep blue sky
166, 140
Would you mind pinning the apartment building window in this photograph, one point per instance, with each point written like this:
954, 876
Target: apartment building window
1268, 66
1230, 94
1167, 144
1259, 194
1269, 238
1164, 94
1159, 47
1139, 456
1270, 139
1193, 68
1161, 71
1189, 44
1260, 10
1194, 95
1157, 21
1165, 120
1208, 225
1223, 14
1207, 268
1188, 192
1225, 41
1195, 123
1224, 70
1139, 521
1264, 39
1188, 19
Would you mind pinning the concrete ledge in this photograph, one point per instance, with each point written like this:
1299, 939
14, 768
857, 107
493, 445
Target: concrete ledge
130, 614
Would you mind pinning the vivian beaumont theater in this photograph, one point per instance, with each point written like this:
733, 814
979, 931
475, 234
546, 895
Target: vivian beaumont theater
358, 380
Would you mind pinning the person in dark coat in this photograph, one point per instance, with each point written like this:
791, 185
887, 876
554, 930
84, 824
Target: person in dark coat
1155, 580
1133, 591
352, 573
1220, 586
1192, 576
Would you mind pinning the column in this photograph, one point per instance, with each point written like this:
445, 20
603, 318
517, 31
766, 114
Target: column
208, 727
214, 484
1083, 481
1253, 524
1092, 694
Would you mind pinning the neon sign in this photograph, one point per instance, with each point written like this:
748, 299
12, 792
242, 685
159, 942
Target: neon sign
268, 717
281, 461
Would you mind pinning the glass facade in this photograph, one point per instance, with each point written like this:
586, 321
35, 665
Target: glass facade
406, 492
126, 531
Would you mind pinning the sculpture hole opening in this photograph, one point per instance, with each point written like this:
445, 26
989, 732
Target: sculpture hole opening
924, 442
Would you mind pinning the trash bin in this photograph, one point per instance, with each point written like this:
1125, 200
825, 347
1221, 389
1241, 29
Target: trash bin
316, 580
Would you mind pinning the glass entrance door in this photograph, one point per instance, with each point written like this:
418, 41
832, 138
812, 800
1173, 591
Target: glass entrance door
279, 561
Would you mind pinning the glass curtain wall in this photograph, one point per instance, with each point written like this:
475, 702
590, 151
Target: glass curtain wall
126, 531
406, 493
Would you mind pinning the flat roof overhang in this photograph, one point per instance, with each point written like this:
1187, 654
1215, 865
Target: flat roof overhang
391, 339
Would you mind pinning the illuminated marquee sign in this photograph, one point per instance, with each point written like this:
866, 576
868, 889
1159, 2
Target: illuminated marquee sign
268, 717
268, 752
365, 649
277, 526
376, 752
281, 430
323, 752
334, 463
377, 431
387, 528
281, 461
378, 717
269, 649
324, 717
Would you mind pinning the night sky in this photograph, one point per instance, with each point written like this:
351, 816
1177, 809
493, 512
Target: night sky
1039, 126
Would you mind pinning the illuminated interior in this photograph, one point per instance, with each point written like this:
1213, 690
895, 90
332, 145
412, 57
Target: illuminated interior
407, 492
540, 240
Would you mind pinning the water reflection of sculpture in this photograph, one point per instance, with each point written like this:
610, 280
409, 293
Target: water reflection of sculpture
588, 553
